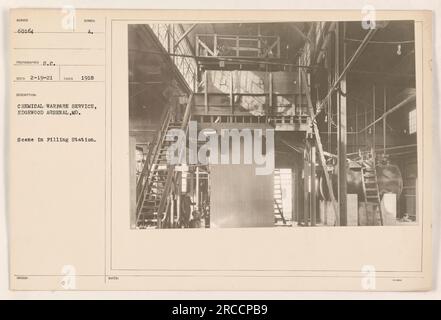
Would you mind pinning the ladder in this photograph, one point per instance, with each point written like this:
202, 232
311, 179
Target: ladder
370, 183
278, 199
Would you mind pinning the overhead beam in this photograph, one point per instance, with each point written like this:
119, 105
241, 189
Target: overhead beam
384, 74
184, 35
227, 59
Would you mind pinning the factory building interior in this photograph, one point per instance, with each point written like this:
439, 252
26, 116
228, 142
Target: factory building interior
340, 98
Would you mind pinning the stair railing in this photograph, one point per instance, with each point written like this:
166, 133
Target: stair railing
142, 186
171, 168
374, 166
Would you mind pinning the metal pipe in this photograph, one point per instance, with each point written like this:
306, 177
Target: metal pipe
381, 42
395, 108
350, 63
389, 148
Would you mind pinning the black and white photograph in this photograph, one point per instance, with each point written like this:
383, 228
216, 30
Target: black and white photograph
287, 124
222, 153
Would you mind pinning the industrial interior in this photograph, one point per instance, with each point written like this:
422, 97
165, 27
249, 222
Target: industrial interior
341, 100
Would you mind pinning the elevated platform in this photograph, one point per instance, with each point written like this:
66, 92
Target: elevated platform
278, 122
234, 52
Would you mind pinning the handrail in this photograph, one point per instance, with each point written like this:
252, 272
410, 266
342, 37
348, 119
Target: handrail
144, 172
170, 170
149, 158
142, 185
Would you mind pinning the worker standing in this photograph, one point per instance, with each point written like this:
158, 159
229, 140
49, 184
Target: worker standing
196, 221
186, 204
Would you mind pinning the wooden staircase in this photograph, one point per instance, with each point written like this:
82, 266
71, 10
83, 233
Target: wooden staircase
370, 183
153, 201
279, 219
148, 215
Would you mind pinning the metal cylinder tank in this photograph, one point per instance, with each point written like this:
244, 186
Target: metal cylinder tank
388, 176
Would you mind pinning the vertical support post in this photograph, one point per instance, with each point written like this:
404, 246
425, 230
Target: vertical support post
133, 182
168, 38
197, 188
159, 219
365, 131
329, 115
172, 210
231, 93
270, 94
342, 127
294, 177
206, 91
191, 183
215, 52
259, 41
299, 194
320, 149
300, 108
374, 140
313, 188
307, 184
237, 46
178, 202
384, 119
356, 126
278, 47
172, 41
196, 79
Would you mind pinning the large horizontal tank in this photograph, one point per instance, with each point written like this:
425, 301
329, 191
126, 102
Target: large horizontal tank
388, 176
